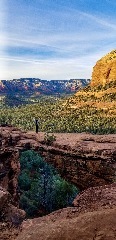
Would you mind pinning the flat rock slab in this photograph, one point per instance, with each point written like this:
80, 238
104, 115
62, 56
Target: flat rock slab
92, 218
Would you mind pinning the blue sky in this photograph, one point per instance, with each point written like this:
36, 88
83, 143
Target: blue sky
55, 39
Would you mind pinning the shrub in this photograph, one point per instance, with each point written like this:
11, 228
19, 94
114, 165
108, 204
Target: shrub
49, 139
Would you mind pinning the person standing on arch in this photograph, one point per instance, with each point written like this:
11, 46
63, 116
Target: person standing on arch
36, 122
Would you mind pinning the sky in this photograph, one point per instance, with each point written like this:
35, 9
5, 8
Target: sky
55, 39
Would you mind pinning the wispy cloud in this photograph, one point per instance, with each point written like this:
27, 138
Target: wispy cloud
47, 41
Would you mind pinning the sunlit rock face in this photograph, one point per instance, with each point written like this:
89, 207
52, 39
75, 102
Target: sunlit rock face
105, 70
93, 217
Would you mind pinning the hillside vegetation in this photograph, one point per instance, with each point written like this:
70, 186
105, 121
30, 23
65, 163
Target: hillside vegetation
91, 110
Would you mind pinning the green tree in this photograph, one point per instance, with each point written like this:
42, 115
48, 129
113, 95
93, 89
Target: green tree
41, 186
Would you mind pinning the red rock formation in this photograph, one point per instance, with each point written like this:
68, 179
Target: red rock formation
105, 70
9, 171
10, 214
83, 159
96, 198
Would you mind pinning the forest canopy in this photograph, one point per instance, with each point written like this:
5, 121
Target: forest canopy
75, 114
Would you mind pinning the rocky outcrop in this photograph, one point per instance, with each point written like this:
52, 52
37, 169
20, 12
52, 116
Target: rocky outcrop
96, 198
9, 171
105, 70
10, 214
98, 225
93, 217
83, 159
4, 198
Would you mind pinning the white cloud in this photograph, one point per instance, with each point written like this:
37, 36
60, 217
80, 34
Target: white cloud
77, 39
80, 67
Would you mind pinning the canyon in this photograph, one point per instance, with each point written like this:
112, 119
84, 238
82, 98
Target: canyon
84, 159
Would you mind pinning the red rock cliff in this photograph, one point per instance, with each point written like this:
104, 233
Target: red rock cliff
105, 70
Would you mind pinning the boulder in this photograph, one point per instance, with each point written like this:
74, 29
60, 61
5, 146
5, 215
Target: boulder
4, 198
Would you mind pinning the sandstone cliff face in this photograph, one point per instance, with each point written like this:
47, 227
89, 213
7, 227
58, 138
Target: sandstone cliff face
105, 70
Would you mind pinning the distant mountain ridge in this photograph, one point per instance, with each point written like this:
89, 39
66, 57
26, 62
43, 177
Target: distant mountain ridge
36, 85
